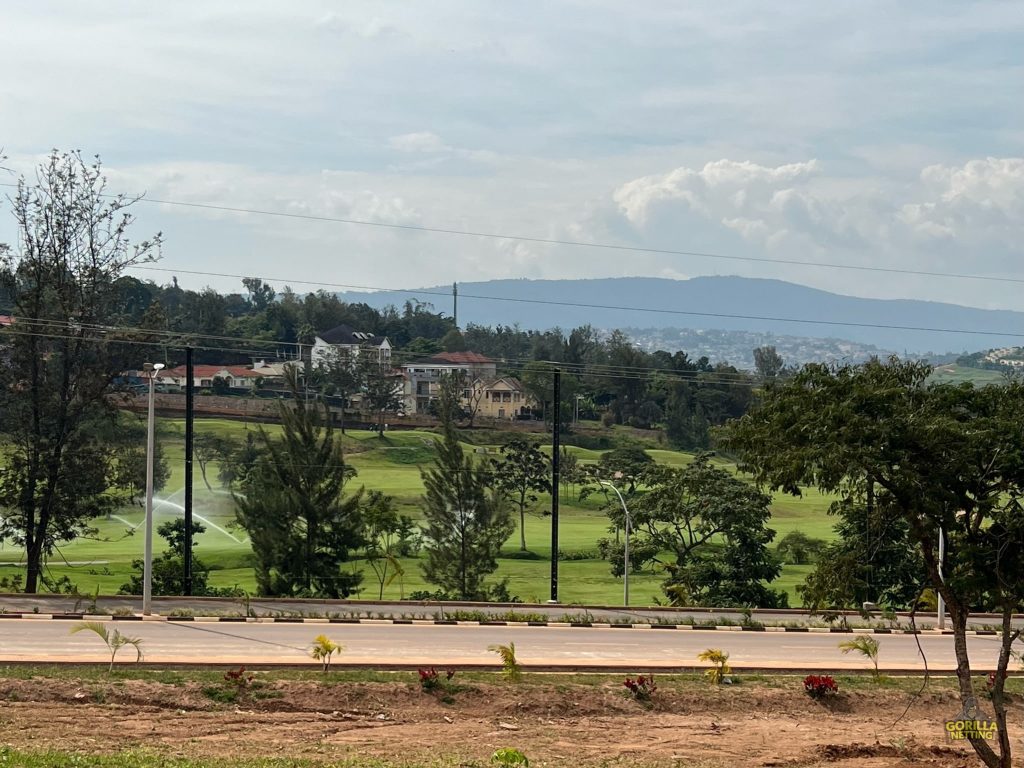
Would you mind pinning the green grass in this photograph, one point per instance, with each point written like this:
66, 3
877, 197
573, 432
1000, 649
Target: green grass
957, 374
392, 464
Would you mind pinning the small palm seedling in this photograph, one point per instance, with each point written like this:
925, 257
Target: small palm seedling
322, 650
719, 673
865, 645
114, 640
509, 664
507, 756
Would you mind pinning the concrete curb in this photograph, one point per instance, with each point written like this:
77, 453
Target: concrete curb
452, 622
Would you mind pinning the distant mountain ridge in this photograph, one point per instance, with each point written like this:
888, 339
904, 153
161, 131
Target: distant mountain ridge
721, 303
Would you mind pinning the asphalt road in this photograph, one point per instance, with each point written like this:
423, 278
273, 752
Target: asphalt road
430, 645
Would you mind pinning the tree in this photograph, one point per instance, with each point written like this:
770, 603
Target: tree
797, 548
62, 284
294, 508
467, 521
169, 566
453, 341
129, 470
520, 474
208, 447
388, 537
344, 374
768, 362
716, 529
627, 465
382, 393
945, 458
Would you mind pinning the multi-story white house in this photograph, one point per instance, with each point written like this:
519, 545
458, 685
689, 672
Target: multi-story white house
350, 343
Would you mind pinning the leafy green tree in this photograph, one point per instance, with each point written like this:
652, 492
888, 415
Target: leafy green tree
62, 284
520, 474
169, 566
797, 548
302, 524
382, 391
343, 375
768, 362
944, 457
388, 537
208, 447
715, 529
467, 521
625, 465
874, 560
129, 469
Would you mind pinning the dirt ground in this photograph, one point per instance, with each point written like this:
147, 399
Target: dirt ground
554, 724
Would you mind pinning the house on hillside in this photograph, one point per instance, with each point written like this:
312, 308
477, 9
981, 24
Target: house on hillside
350, 343
498, 398
423, 377
234, 376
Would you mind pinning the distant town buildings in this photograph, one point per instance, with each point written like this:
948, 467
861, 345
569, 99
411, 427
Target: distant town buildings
350, 343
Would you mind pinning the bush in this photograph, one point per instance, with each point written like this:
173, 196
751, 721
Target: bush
820, 687
641, 689
430, 679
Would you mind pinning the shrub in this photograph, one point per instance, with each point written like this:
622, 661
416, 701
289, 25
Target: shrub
506, 756
719, 673
820, 686
641, 689
238, 679
430, 679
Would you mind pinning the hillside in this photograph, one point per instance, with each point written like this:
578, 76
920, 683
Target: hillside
722, 303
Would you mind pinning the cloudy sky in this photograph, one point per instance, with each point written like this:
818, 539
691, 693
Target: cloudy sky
868, 133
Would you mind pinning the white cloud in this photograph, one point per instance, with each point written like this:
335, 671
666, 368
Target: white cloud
423, 141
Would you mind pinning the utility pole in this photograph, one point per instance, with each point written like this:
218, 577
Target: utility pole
555, 451
189, 436
455, 304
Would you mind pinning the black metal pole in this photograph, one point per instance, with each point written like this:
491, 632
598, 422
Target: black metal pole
189, 426
555, 449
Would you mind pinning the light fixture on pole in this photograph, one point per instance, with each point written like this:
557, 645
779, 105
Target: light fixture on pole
147, 574
625, 573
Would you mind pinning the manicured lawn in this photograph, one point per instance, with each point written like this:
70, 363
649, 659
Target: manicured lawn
393, 465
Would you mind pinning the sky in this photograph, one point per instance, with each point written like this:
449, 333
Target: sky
864, 133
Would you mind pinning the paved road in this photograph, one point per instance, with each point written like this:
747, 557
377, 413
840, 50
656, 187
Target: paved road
384, 644
293, 607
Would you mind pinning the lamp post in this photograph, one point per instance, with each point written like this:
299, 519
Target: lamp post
625, 573
147, 574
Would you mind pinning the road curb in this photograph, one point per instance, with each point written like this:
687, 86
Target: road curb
486, 623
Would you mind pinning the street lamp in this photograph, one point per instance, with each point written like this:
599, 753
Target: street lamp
625, 573
147, 574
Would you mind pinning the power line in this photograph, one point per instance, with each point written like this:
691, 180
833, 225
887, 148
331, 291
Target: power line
586, 305
558, 241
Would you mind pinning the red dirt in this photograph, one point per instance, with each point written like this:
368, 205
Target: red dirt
554, 724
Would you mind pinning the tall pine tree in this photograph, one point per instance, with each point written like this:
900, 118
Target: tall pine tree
294, 508
467, 519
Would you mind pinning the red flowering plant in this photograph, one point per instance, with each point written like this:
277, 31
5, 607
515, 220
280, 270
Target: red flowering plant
820, 686
641, 689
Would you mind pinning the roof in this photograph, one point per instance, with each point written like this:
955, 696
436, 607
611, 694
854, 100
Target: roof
209, 371
348, 336
513, 383
453, 358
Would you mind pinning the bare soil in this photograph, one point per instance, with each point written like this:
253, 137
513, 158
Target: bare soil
554, 724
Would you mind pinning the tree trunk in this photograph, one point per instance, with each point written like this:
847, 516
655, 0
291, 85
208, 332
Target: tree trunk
522, 528
958, 615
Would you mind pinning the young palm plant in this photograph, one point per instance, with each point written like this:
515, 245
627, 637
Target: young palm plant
865, 645
720, 659
509, 664
114, 640
322, 650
